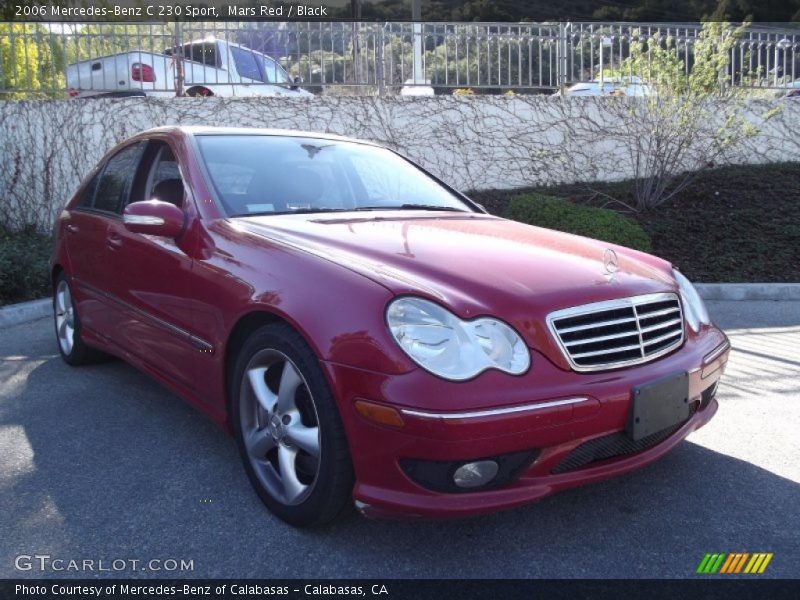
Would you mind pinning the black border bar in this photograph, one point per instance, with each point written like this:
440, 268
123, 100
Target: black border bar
451, 11
399, 589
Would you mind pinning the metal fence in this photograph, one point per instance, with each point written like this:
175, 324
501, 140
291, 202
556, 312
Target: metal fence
382, 58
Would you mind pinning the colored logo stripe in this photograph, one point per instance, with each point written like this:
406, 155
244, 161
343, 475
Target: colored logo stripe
758, 563
710, 563
734, 562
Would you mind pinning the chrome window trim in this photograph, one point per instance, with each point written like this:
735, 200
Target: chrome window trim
492, 412
629, 302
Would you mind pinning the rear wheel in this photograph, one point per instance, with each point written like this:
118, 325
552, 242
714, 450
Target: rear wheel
199, 92
68, 327
288, 428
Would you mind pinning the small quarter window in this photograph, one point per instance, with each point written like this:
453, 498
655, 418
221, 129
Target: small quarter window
87, 198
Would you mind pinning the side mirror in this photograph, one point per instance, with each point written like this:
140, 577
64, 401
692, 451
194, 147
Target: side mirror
154, 217
296, 81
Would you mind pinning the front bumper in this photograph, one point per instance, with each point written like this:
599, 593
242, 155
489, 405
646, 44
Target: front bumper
570, 409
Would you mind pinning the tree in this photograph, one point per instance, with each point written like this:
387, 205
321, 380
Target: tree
689, 122
31, 60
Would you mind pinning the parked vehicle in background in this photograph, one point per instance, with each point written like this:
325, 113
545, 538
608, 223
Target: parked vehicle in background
211, 67
618, 86
792, 90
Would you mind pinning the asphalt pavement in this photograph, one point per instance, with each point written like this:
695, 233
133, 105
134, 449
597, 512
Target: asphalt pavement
101, 463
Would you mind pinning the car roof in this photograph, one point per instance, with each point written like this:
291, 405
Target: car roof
194, 130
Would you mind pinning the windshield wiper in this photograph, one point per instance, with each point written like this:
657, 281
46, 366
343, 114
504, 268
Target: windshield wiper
412, 207
298, 211
307, 211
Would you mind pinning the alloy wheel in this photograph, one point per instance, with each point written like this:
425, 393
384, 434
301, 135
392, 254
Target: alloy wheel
65, 317
280, 427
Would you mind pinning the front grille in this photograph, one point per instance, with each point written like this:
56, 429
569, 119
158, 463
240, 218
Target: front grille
613, 446
618, 333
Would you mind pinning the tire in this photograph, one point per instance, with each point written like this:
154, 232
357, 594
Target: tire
283, 414
199, 92
68, 327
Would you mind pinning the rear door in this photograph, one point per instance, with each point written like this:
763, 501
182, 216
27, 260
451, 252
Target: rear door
92, 240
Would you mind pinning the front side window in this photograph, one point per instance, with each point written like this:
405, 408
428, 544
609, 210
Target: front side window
273, 72
164, 169
164, 180
263, 174
115, 182
246, 64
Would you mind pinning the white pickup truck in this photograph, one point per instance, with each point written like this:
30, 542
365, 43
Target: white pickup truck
211, 67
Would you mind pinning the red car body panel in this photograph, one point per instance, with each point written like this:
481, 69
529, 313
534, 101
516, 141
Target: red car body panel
171, 307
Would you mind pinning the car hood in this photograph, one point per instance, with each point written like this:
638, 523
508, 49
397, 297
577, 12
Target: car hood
474, 264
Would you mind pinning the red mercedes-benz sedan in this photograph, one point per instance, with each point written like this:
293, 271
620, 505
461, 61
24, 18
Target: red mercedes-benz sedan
368, 333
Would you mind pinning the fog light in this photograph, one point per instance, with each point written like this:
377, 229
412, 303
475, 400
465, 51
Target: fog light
475, 474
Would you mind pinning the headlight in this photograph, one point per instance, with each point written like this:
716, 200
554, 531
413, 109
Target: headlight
694, 309
440, 342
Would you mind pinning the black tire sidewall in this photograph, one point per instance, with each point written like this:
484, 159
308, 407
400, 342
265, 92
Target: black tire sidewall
79, 353
333, 487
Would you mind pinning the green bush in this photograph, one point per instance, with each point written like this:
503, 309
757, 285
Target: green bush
24, 272
600, 223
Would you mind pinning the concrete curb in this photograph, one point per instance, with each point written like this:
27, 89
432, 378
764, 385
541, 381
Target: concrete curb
14, 314
749, 291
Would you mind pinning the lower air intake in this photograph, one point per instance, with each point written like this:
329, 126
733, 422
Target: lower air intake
614, 446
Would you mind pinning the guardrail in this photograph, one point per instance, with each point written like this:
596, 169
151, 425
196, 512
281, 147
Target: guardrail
384, 58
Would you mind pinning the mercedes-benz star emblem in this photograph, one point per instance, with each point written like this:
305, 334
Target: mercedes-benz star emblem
610, 263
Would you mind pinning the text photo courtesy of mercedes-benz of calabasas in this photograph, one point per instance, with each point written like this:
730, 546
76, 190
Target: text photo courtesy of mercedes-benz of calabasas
370, 335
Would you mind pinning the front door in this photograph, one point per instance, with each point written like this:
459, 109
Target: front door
154, 281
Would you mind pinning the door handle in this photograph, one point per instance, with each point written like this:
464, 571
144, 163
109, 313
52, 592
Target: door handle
114, 241
73, 229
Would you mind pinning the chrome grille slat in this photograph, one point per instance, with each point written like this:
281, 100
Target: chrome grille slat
618, 333
659, 313
603, 338
615, 351
660, 338
595, 326
658, 326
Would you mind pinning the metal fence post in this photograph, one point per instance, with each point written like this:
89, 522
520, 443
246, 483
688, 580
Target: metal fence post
178, 57
379, 65
561, 58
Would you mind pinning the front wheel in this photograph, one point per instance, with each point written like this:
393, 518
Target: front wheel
288, 429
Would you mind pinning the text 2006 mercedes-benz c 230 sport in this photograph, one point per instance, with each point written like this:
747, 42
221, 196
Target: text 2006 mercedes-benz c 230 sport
369, 334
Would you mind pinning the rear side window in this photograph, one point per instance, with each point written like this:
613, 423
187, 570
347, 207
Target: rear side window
204, 53
115, 182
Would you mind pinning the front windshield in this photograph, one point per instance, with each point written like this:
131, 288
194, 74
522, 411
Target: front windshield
265, 174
